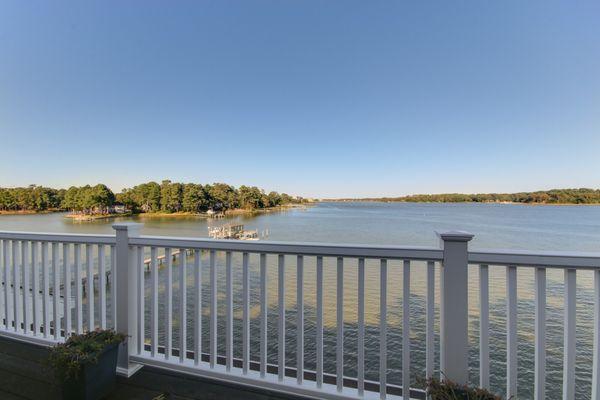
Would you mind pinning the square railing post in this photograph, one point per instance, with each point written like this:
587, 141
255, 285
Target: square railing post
454, 340
126, 286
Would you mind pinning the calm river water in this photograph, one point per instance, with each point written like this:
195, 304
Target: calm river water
572, 228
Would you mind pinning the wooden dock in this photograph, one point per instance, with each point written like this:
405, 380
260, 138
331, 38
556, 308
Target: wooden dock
161, 258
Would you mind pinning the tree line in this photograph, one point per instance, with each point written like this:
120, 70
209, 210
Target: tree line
193, 197
554, 196
31, 198
167, 197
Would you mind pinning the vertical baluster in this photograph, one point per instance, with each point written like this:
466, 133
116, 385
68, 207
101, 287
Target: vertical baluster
102, 285
340, 325
169, 304
383, 330
281, 321
66, 291
7, 280
141, 292
484, 327
300, 320
263, 315
569, 334
154, 309
55, 291
213, 309
319, 321
246, 316
113, 284
35, 291
361, 328
596, 350
406, 328
90, 286
429, 321
45, 289
198, 307
540, 334
78, 291
228, 313
25, 285
511, 330
182, 305
16, 286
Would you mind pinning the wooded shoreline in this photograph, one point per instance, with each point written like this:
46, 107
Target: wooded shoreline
183, 214
167, 197
510, 203
190, 199
582, 196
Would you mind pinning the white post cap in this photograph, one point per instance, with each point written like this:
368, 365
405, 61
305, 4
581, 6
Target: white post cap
455, 236
125, 226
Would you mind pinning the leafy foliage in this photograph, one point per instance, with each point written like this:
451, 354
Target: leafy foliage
554, 196
448, 390
148, 197
67, 359
172, 197
33, 197
88, 199
194, 199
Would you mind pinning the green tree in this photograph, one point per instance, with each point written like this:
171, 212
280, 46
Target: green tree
286, 198
194, 198
101, 198
222, 196
70, 201
250, 198
274, 199
147, 196
7, 200
171, 196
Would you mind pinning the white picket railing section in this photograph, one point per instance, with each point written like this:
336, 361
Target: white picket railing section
282, 377
37, 305
49, 282
540, 262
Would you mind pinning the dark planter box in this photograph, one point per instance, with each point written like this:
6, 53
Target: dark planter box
456, 395
462, 394
95, 381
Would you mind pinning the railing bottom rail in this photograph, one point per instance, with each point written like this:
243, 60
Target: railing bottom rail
270, 382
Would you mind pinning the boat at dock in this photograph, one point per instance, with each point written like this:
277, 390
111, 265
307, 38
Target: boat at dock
233, 231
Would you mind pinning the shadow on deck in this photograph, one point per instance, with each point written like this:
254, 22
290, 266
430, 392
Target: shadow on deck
23, 376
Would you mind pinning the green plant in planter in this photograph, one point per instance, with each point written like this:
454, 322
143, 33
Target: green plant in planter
85, 364
448, 390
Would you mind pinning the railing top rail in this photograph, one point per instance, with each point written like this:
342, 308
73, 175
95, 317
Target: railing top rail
309, 249
524, 258
58, 237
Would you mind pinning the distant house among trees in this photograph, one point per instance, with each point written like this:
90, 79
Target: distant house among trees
119, 209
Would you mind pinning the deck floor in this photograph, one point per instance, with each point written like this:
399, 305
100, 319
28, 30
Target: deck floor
24, 376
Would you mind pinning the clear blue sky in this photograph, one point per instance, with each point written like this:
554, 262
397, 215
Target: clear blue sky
316, 98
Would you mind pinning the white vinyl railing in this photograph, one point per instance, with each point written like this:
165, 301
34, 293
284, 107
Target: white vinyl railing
539, 262
185, 320
280, 376
36, 303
